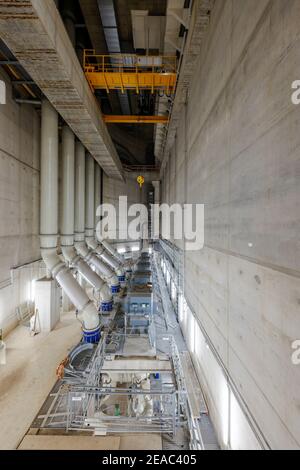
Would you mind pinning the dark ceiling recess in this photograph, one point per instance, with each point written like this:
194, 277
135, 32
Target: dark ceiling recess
24, 89
75, 24
134, 143
123, 12
143, 104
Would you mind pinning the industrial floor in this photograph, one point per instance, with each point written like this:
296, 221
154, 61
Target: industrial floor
61, 442
29, 375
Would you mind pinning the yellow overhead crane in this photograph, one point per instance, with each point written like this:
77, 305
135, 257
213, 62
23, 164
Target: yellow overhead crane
130, 119
124, 72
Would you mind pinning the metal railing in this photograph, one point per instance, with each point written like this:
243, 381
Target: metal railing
87, 410
141, 168
126, 63
88, 405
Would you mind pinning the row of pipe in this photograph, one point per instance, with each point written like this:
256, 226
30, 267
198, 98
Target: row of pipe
79, 246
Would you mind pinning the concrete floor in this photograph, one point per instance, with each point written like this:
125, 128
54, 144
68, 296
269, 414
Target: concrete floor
29, 375
115, 443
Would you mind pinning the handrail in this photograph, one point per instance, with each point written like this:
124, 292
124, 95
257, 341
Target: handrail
119, 63
141, 168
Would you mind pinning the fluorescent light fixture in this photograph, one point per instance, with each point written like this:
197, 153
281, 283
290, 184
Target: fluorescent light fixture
135, 248
121, 251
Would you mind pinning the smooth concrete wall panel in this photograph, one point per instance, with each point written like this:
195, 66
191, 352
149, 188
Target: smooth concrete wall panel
113, 189
213, 68
243, 163
207, 291
260, 336
19, 201
208, 175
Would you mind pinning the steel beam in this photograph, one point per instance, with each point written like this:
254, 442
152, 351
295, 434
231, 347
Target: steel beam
130, 119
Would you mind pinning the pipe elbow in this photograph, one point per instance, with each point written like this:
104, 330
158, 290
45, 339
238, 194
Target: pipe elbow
82, 249
105, 294
113, 281
88, 312
92, 244
120, 272
89, 317
52, 261
70, 254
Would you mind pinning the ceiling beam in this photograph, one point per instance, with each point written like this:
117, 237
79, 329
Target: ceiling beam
130, 119
35, 34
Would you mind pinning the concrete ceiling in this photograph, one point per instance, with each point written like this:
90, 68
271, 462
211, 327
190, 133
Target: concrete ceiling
90, 11
136, 141
123, 10
34, 32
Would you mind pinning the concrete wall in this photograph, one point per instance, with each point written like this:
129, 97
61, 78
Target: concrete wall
242, 160
114, 189
19, 204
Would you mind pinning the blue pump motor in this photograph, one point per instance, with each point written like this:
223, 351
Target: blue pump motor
107, 306
92, 336
115, 289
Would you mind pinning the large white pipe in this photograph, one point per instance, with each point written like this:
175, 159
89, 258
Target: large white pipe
90, 219
81, 247
112, 251
68, 218
116, 259
90, 198
68, 190
79, 192
97, 196
49, 220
